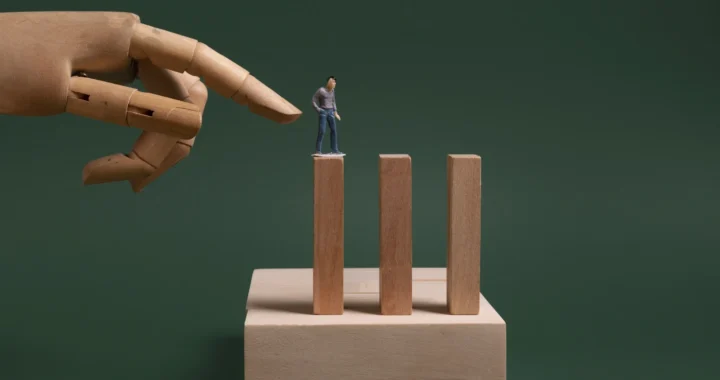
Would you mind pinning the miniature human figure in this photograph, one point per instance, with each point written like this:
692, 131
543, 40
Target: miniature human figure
325, 105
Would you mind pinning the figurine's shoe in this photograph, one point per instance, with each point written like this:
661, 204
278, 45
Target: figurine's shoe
337, 153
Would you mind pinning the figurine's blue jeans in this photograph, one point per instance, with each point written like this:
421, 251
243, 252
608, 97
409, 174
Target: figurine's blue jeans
327, 119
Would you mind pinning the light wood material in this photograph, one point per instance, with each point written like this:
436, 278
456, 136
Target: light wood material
153, 150
127, 106
81, 62
284, 340
463, 240
395, 234
157, 149
329, 235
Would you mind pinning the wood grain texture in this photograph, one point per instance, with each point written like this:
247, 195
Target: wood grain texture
284, 340
395, 234
82, 63
463, 240
329, 239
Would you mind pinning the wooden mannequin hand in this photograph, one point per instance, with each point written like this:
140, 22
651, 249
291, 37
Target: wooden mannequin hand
76, 62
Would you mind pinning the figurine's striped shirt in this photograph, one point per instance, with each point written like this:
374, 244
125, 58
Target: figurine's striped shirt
324, 99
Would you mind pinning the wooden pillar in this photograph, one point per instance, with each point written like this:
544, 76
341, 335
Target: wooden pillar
328, 213
463, 240
395, 234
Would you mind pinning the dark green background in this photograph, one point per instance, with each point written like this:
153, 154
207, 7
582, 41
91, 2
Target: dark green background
598, 126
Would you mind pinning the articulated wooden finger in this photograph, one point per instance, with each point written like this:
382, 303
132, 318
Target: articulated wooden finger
156, 113
179, 150
179, 53
162, 151
177, 154
117, 167
129, 107
155, 147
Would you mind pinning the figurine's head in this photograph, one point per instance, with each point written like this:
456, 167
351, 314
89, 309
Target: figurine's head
330, 83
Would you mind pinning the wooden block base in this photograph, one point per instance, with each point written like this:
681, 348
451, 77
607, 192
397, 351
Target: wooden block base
284, 340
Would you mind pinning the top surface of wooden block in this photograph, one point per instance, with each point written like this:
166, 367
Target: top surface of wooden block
284, 297
393, 155
475, 156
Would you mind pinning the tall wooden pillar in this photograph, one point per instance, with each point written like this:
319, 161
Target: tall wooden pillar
329, 238
463, 240
395, 234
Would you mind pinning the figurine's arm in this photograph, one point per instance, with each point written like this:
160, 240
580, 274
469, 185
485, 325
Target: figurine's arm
337, 115
316, 100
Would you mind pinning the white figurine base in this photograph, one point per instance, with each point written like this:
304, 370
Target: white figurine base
328, 155
284, 340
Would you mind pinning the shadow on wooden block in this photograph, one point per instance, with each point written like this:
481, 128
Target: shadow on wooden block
359, 306
286, 291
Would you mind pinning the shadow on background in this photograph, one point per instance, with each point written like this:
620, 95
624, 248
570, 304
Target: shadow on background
227, 361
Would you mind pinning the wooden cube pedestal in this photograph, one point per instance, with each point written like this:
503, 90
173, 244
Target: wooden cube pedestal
284, 340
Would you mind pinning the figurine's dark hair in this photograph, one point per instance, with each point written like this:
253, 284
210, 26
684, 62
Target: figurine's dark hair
330, 77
